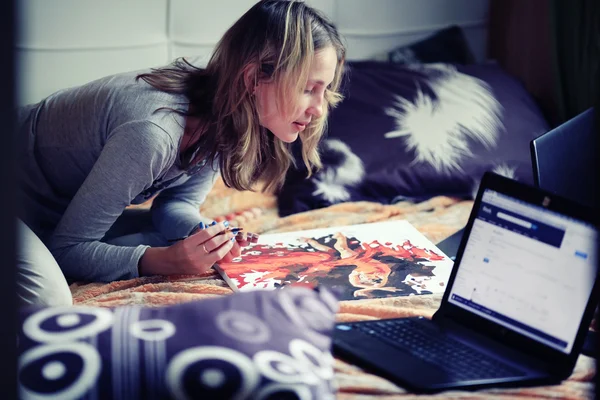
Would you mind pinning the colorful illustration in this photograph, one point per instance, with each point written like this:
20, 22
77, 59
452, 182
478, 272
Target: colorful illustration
358, 262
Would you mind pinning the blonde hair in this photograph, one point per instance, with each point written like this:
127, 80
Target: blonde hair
277, 40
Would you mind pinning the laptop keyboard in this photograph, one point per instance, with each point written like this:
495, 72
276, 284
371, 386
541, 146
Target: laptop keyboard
454, 358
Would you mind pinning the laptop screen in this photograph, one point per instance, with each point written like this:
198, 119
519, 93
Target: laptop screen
568, 151
527, 268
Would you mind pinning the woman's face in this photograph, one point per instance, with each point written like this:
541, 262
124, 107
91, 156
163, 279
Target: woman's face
308, 105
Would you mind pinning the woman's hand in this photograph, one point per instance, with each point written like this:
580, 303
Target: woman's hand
194, 255
200, 251
241, 240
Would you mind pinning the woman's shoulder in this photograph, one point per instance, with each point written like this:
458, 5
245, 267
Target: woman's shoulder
147, 141
123, 103
133, 99
120, 95
146, 134
128, 88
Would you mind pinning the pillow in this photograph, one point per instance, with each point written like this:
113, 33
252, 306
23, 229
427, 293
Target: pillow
261, 344
418, 131
448, 45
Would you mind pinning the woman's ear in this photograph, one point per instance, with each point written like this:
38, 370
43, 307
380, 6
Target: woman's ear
251, 78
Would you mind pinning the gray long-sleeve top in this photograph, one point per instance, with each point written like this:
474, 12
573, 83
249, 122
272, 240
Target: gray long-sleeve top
92, 150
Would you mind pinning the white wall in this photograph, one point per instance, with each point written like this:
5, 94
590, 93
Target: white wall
62, 43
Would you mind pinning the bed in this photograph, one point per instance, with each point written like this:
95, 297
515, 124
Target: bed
410, 68
437, 218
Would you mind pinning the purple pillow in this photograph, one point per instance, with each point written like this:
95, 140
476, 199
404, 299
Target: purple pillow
263, 343
418, 131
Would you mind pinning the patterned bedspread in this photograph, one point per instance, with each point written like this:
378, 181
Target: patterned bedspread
436, 218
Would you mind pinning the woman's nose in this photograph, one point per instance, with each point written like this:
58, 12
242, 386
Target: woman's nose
316, 107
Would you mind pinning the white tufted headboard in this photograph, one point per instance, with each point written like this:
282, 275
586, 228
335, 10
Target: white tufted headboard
63, 43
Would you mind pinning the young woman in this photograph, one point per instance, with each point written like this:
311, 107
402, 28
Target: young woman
90, 151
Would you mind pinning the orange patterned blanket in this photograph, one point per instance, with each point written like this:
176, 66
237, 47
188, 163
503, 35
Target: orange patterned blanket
436, 218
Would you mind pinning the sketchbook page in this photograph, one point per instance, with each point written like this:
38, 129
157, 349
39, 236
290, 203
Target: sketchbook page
381, 259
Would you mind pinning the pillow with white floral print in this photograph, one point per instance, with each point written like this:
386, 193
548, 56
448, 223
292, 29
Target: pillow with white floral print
418, 131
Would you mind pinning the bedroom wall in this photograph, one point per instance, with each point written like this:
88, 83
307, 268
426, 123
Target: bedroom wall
62, 43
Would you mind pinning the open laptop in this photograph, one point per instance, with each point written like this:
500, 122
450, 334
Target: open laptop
518, 303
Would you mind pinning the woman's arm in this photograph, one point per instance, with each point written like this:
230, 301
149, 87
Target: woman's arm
133, 156
193, 255
176, 210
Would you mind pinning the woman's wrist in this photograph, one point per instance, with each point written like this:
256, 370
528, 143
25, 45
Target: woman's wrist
155, 261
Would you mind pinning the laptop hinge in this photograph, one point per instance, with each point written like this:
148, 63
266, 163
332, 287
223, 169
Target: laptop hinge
439, 315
